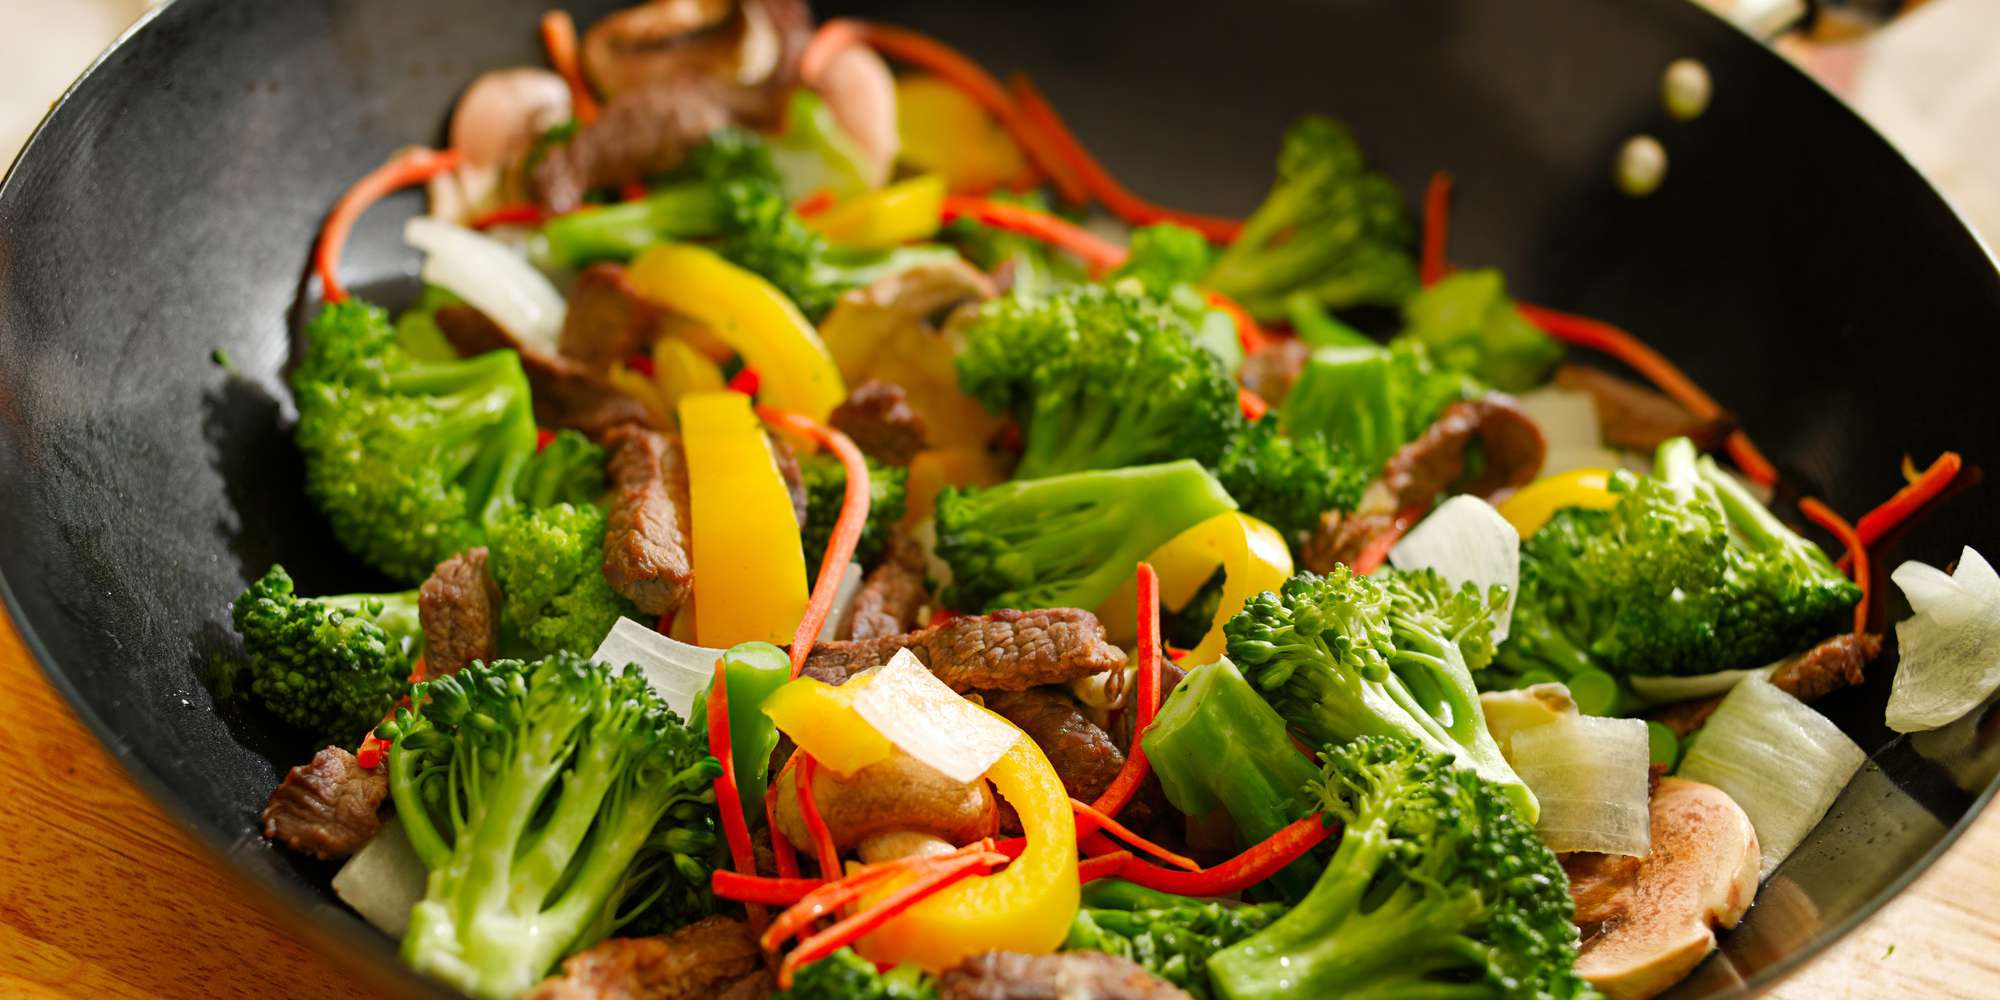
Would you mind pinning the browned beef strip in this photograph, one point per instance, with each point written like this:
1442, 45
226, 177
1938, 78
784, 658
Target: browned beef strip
877, 415
1635, 417
1830, 665
1270, 370
608, 320
460, 608
1005, 650
1006, 975
328, 807
566, 393
709, 956
1340, 538
1511, 449
788, 470
893, 593
647, 556
1082, 754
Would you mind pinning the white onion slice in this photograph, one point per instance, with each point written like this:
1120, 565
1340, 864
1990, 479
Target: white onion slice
1589, 774
1950, 648
1567, 418
922, 717
383, 879
1661, 689
843, 603
492, 278
675, 669
1466, 540
1781, 761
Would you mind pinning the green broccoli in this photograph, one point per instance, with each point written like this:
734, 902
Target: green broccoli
553, 802
412, 461
417, 330
1319, 328
1066, 541
1100, 378
826, 490
1173, 939
1470, 325
1289, 482
1371, 399
549, 564
1439, 888
1330, 227
1344, 656
1034, 268
845, 975
1162, 257
330, 665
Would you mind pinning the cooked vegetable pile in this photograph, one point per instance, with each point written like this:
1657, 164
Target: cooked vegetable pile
831, 539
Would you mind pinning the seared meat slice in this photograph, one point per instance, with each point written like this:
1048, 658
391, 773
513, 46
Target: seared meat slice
1637, 418
1005, 650
643, 132
893, 593
1006, 975
1827, 667
460, 608
877, 415
608, 320
788, 470
1511, 449
647, 555
1270, 370
328, 807
1082, 754
1340, 538
566, 393
711, 956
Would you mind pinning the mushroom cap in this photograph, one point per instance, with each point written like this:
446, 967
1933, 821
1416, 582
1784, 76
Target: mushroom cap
746, 43
1649, 922
499, 116
860, 91
899, 794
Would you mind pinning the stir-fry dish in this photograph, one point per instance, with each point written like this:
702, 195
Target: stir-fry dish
839, 542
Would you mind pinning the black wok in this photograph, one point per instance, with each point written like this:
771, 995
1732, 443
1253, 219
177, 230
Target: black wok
1793, 262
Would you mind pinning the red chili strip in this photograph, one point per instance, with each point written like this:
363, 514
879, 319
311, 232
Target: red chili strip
1133, 774
1248, 333
1102, 866
782, 855
413, 166
1374, 554
1252, 405
1241, 872
518, 214
813, 204
559, 38
852, 928
1125, 833
824, 851
847, 526
1885, 518
760, 890
1431, 266
1857, 552
1098, 254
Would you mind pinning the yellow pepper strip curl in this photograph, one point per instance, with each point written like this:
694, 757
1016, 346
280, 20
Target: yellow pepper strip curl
749, 568
754, 318
1252, 555
901, 213
1532, 507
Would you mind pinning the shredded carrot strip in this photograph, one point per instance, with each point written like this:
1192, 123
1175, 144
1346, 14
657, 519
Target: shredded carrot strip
1431, 266
1124, 833
813, 204
519, 213
1238, 873
824, 852
1133, 774
735, 831
783, 891
1098, 253
559, 37
1857, 551
1252, 405
1102, 866
1750, 459
1907, 501
1376, 552
846, 528
846, 931
782, 855
1248, 333
827, 898
404, 169
1099, 182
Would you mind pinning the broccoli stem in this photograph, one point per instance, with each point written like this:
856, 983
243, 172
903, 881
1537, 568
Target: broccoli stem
622, 231
1754, 524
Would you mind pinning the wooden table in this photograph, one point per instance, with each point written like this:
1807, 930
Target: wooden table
102, 895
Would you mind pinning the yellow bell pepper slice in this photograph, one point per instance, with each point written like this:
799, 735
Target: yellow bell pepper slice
821, 719
1252, 554
680, 370
1026, 907
749, 569
943, 131
754, 318
901, 213
1532, 507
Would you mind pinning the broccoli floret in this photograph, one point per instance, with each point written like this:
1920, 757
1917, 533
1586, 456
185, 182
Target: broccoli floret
1066, 541
569, 469
1784, 593
1468, 324
1100, 378
329, 665
553, 802
1344, 656
1438, 888
1370, 398
1174, 940
826, 490
1162, 257
1034, 268
411, 460
845, 975
1289, 482
549, 564
1330, 228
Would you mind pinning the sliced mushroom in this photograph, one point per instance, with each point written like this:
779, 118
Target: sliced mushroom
861, 93
897, 796
746, 43
1648, 924
495, 122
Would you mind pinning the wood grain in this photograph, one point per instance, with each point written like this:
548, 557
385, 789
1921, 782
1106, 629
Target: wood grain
102, 895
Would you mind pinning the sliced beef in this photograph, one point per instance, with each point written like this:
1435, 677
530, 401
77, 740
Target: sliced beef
647, 555
1006, 975
567, 394
643, 132
1340, 538
460, 608
788, 470
1005, 650
1638, 418
1270, 370
1081, 752
877, 415
1830, 665
608, 320
1510, 452
893, 594
329, 807
711, 956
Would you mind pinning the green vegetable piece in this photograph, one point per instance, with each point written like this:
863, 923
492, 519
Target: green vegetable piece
1319, 328
1162, 257
1171, 936
753, 670
417, 331
814, 154
1662, 746
1372, 399
845, 975
1470, 325
549, 564
1290, 482
826, 492
1036, 269
332, 666
1594, 691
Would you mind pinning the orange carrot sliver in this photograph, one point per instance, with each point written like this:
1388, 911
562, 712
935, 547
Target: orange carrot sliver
1098, 820
781, 891
1252, 405
559, 37
1098, 253
847, 526
1106, 865
824, 850
410, 167
1133, 774
1431, 266
735, 831
782, 855
1238, 873
1857, 551
848, 930
1908, 500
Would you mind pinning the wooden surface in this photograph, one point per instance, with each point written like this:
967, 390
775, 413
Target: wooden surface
103, 896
